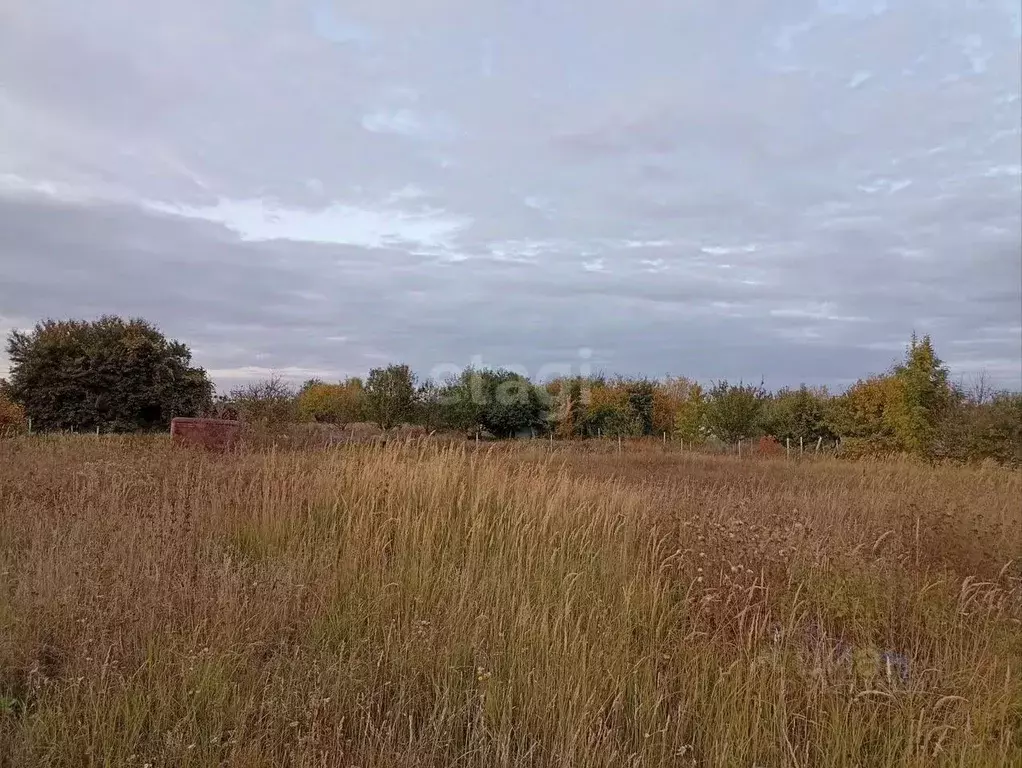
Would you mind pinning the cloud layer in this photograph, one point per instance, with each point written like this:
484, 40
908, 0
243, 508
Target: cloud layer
318, 188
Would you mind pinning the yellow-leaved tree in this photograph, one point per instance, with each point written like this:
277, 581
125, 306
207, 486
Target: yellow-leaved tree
12, 415
668, 397
341, 403
609, 411
870, 416
690, 418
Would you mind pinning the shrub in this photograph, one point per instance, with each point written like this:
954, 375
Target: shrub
12, 417
271, 402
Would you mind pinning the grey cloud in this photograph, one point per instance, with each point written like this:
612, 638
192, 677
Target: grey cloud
885, 207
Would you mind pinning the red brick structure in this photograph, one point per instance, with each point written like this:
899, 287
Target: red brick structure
211, 434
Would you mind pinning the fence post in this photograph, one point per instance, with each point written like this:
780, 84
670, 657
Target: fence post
739, 448
800, 451
619, 443
787, 447
819, 441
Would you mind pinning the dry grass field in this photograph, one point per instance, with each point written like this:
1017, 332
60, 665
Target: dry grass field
396, 606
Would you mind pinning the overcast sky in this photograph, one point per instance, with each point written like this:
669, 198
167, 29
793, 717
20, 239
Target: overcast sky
776, 188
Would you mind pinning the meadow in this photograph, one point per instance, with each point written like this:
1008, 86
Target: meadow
425, 605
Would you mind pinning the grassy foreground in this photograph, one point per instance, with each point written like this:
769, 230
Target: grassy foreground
425, 606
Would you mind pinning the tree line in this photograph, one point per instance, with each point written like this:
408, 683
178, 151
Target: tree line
116, 375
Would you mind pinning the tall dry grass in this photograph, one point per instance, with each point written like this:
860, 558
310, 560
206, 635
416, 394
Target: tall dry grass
424, 606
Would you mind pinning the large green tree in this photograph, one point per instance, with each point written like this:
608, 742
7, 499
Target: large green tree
502, 402
512, 404
928, 394
390, 395
641, 400
113, 374
733, 411
798, 414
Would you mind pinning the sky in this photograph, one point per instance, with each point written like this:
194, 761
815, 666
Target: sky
775, 189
